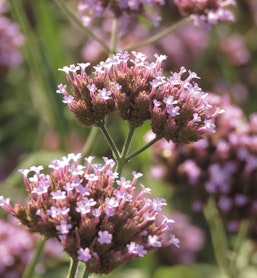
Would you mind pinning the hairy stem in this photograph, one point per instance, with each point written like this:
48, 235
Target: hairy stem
110, 142
148, 145
158, 35
125, 150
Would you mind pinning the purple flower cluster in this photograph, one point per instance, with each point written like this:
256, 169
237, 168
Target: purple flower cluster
206, 12
125, 11
223, 166
98, 217
138, 91
16, 246
11, 41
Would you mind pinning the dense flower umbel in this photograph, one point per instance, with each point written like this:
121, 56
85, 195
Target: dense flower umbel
98, 218
223, 165
207, 12
138, 91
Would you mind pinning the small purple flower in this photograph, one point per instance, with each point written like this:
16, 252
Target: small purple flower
64, 227
104, 237
84, 254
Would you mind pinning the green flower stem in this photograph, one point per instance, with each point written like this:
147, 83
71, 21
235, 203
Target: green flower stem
218, 236
81, 271
115, 35
77, 269
30, 269
90, 141
159, 35
148, 145
87, 31
41, 92
125, 149
110, 142
73, 268
241, 236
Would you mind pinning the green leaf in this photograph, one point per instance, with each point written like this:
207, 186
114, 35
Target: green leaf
189, 271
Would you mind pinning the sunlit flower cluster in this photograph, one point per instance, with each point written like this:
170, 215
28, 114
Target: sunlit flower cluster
99, 218
223, 166
207, 12
137, 90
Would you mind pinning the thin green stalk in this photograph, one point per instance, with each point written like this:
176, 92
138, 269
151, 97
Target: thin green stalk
115, 35
125, 149
218, 236
81, 271
145, 147
110, 142
241, 236
73, 268
90, 141
87, 31
158, 35
41, 94
30, 269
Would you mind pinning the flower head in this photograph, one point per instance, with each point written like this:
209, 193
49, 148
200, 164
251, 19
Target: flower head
136, 90
207, 12
223, 166
101, 221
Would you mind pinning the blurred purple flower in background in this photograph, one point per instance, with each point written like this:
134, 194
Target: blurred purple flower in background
125, 11
207, 12
11, 41
17, 247
191, 242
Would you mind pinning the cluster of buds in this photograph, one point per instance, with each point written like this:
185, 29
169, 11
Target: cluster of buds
11, 40
98, 218
222, 166
206, 12
89, 10
137, 90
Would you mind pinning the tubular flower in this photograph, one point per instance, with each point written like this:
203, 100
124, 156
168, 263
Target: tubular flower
223, 166
207, 12
137, 90
98, 218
